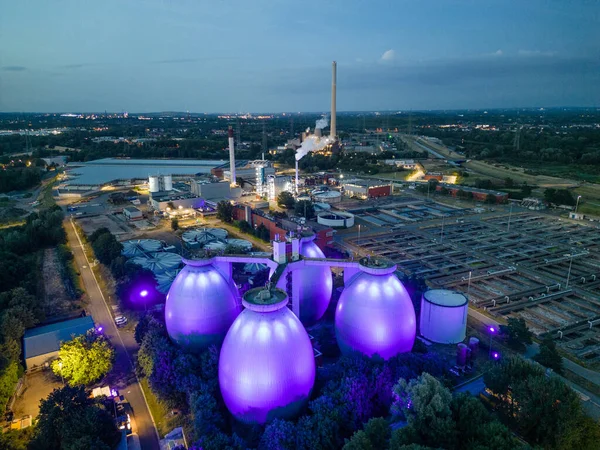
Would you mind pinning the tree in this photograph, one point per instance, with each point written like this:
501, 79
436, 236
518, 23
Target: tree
518, 335
549, 356
70, 419
509, 182
374, 435
8, 380
305, 209
174, 224
225, 211
526, 189
84, 359
425, 404
107, 248
278, 435
286, 200
263, 233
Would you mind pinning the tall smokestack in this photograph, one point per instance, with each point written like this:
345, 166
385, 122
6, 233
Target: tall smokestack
333, 131
232, 180
296, 177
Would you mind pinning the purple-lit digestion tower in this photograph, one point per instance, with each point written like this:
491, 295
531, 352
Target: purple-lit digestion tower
201, 305
375, 315
266, 366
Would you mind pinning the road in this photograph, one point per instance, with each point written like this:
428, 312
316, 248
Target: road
123, 371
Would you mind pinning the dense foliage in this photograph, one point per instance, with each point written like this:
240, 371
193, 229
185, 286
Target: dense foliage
105, 246
71, 420
304, 208
517, 334
225, 211
542, 409
286, 200
84, 359
21, 293
18, 179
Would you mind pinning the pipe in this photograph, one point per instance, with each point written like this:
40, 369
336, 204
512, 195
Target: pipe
232, 180
333, 130
296, 177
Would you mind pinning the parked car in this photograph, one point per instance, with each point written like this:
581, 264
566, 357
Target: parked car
121, 321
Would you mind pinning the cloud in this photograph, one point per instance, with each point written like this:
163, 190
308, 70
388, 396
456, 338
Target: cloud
499, 52
75, 66
388, 55
14, 68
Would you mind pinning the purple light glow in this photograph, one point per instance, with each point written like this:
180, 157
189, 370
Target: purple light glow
495, 355
200, 307
492, 330
316, 284
266, 366
99, 329
144, 293
375, 316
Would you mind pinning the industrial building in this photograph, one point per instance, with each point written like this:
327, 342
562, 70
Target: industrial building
252, 172
209, 190
276, 184
132, 213
366, 189
41, 344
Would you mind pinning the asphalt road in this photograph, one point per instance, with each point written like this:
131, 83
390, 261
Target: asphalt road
123, 375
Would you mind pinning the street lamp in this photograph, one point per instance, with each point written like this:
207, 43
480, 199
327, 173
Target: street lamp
492, 330
577, 204
144, 294
509, 216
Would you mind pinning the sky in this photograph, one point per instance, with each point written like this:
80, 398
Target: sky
275, 55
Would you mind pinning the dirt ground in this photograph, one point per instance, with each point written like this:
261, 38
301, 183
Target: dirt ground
56, 301
38, 386
91, 224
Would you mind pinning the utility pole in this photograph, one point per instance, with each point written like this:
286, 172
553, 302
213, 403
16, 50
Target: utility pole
509, 216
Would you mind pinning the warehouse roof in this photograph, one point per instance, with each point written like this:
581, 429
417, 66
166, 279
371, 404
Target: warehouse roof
47, 339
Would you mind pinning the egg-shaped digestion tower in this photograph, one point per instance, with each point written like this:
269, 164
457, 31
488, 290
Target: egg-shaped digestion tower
375, 315
201, 306
267, 364
315, 283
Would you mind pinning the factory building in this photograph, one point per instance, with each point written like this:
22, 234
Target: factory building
480, 195
366, 189
177, 201
211, 190
41, 344
252, 172
276, 184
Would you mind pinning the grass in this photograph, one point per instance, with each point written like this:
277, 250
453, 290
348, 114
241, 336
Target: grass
158, 410
46, 198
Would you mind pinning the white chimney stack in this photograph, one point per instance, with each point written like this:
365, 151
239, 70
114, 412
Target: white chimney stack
232, 180
333, 130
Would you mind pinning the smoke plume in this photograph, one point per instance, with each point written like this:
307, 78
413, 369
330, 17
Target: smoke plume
314, 143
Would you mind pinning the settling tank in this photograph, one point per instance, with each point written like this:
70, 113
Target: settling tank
375, 315
444, 316
267, 365
201, 306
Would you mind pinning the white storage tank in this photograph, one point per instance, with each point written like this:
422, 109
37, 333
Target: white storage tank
168, 182
153, 184
444, 316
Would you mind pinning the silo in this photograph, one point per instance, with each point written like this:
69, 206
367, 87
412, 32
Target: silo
266, 366
462, 354
168, 182
153, 184
444, 316
375, 315
201, 305
315, 283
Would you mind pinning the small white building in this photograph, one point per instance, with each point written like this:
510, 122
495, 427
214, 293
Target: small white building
132, 213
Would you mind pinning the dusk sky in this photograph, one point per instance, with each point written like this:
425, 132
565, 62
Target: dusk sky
272, 56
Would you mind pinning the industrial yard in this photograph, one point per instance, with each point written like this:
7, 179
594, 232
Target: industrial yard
524, 265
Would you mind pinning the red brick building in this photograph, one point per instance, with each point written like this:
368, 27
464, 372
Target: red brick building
480, 195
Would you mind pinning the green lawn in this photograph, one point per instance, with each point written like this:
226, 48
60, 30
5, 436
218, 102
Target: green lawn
157, 409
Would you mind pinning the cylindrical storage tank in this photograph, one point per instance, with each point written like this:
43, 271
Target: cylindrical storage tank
215, 246
266, 366
474, 346
462, 353
201, 306
444, 316
168, 182
315, 283
242, 244
375, 315
153, 184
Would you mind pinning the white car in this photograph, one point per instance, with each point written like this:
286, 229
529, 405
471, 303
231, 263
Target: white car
120, 321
